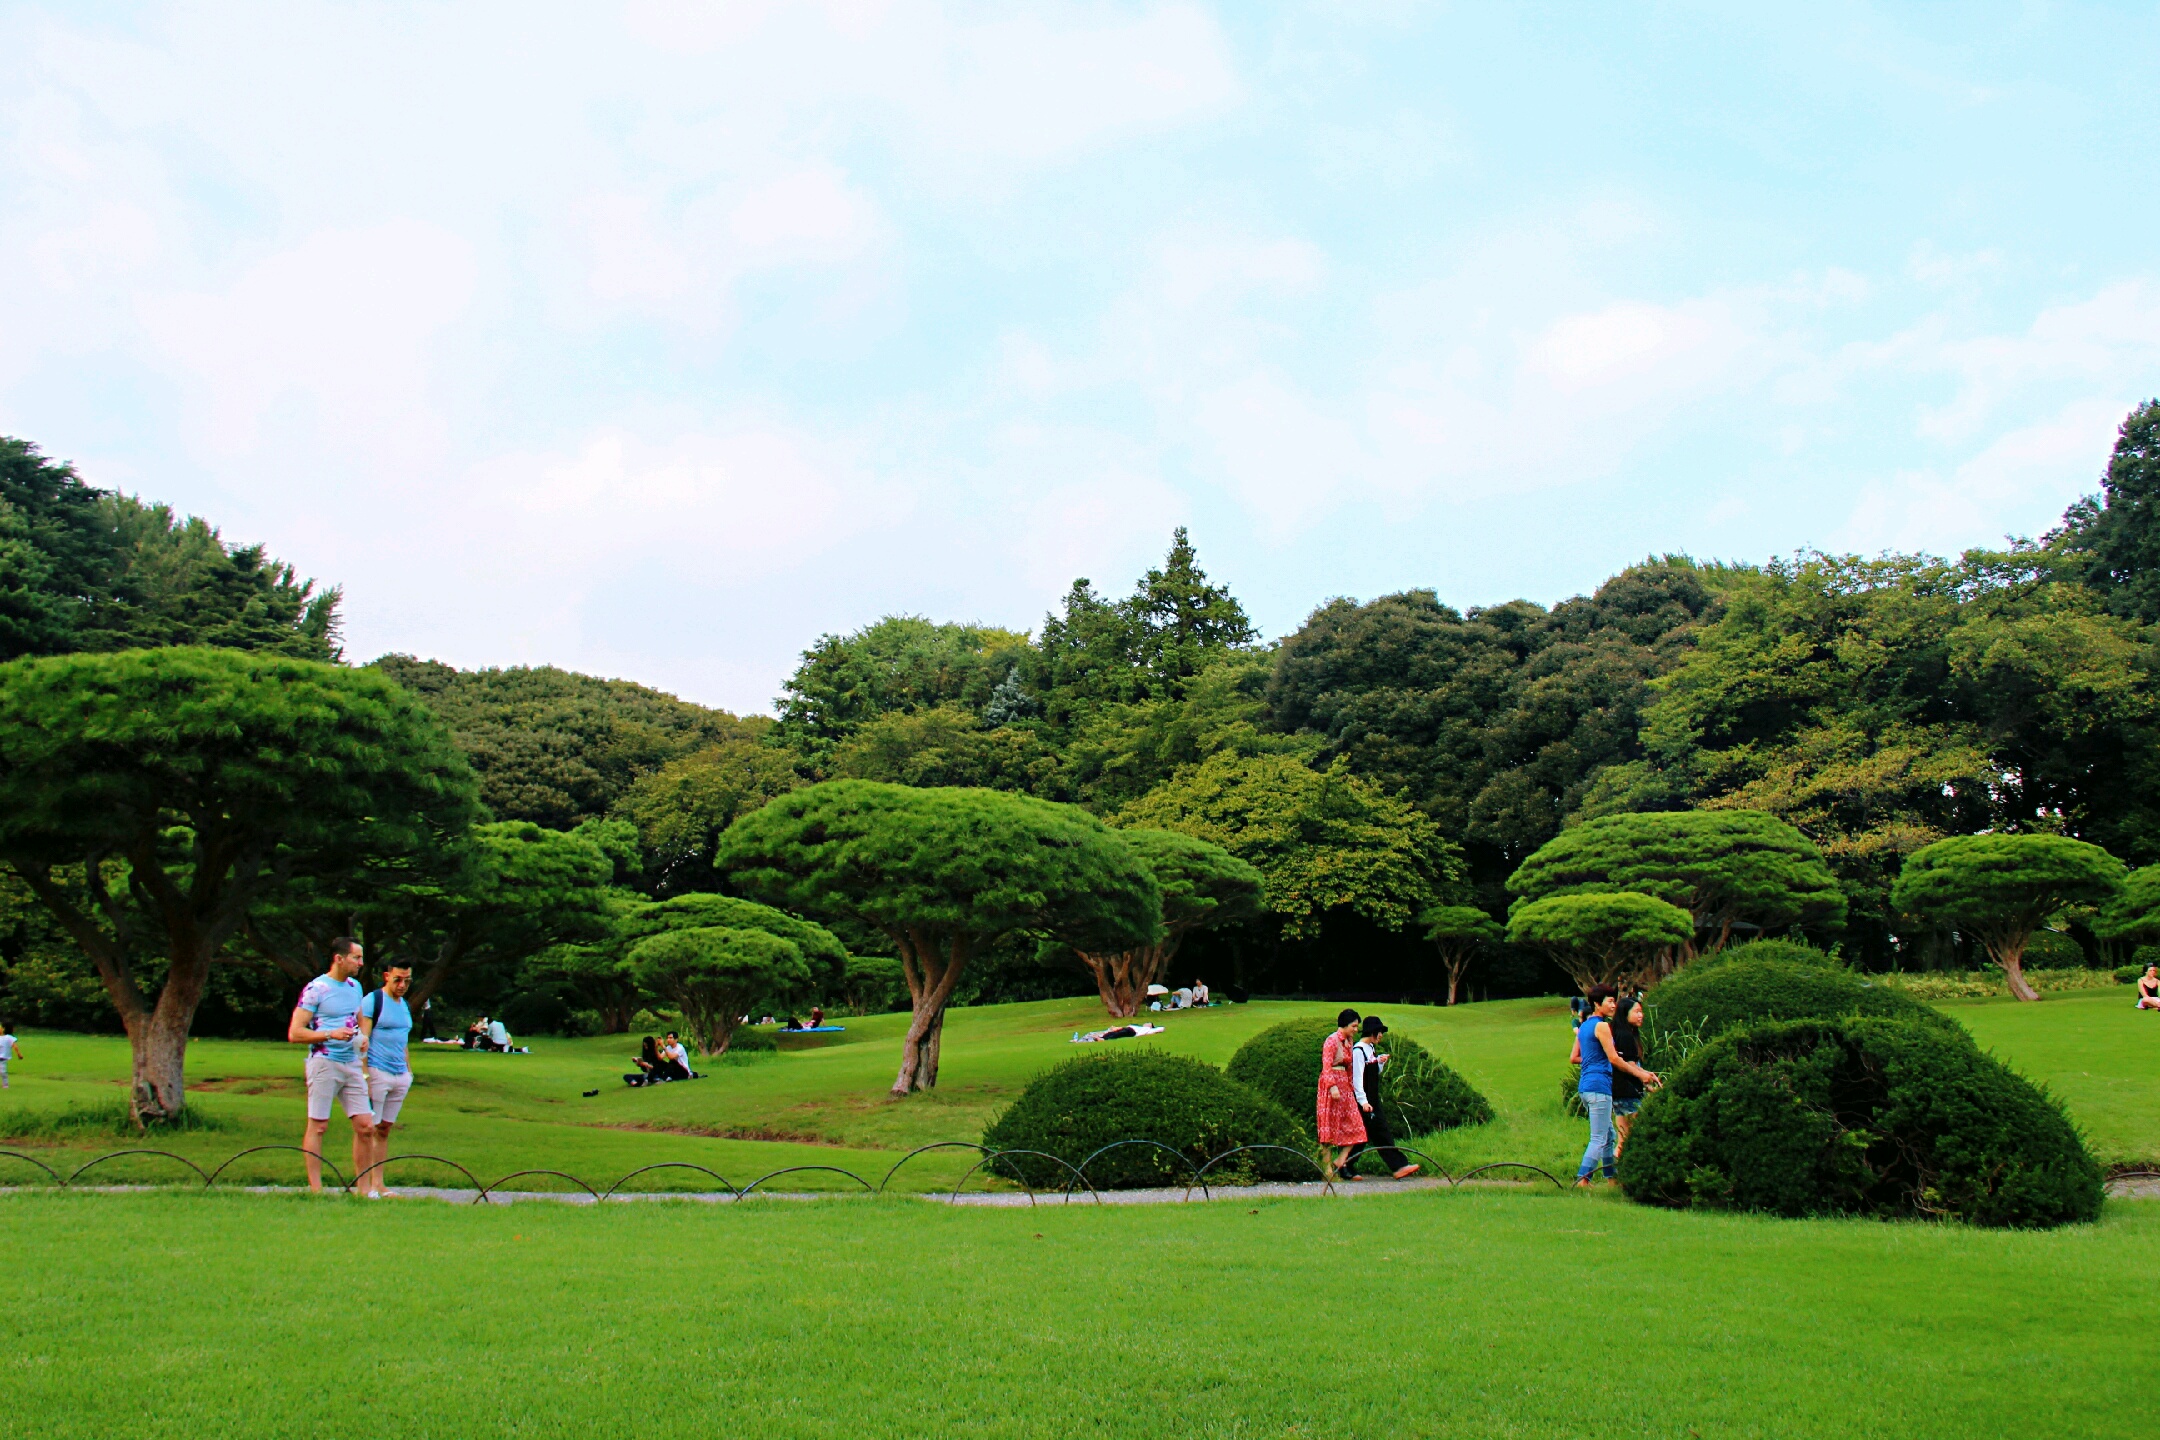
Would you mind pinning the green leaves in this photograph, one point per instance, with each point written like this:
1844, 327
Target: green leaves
955, 861
1991, 880
1600, 937
249, 752
1721, 866
1320, 841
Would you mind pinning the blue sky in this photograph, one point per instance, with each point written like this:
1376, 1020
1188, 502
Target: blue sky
656, 340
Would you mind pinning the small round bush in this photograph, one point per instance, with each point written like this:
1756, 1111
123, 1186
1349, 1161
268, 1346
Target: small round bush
1855, 1116
1419, 1093
1700, 1004
1798, 952
1090, 1101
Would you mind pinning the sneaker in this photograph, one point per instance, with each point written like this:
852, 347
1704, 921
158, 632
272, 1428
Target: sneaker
1407, 1171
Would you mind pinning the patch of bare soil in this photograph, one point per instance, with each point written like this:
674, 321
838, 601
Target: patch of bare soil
250, 1084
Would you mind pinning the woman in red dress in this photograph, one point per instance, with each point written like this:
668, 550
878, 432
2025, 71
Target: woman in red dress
1340, 1123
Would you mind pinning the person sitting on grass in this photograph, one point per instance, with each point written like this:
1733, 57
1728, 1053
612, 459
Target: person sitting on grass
817, 1017
2149, 989
498, 1037
647, 1061
674, 1060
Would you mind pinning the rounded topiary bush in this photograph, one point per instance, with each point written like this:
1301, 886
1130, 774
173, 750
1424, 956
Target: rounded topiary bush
1091, 1101
1703, 1002
1419, 1095
1856, 1116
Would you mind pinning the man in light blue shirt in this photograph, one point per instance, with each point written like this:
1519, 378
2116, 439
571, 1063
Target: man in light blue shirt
385, 1026
327, 1021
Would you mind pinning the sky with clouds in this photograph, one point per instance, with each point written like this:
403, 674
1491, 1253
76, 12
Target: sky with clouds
656, 339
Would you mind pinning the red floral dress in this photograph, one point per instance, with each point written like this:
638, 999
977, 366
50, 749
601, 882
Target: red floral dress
1340, 1122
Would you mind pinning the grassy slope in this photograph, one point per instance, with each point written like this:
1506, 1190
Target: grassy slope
828, 1104
1460, 1314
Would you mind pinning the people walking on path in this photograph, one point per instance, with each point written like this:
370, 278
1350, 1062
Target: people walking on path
385, 1027
1366, 1064
10, 1047
1339, 1122
1595, 1052
327, 1021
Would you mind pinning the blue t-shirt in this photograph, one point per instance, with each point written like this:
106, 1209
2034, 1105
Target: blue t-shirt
334, 1004
1596, 1065
386, 1044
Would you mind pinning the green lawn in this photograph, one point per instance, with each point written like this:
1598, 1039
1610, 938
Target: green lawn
825, 1103
1467, 1313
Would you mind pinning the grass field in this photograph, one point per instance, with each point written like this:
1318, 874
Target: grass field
1474, 1312
1463, 1314
823, 1101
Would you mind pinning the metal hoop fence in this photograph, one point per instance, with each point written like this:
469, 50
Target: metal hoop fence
1076, 1177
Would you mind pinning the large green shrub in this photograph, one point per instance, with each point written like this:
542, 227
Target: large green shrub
1888, 1118
1419, 1095
1093, 1100
1701, 1003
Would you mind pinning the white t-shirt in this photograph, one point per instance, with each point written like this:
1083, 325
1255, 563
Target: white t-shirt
499, 1032
7, 1047
676, 1053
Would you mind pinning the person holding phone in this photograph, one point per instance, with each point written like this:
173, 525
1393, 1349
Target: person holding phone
1367, 1061
326, 1020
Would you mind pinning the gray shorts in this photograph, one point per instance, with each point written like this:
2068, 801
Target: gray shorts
327, 1080
386, 1094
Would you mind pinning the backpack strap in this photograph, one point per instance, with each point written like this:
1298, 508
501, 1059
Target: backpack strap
376, 1013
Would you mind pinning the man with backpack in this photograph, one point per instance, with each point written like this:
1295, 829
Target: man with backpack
386, 1024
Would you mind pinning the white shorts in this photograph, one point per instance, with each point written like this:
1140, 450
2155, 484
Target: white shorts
327, 1080
386, 1094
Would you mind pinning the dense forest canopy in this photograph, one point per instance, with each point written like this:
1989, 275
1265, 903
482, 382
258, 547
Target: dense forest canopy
1392, 757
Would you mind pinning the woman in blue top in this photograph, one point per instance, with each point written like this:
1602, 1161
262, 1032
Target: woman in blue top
1594, 1050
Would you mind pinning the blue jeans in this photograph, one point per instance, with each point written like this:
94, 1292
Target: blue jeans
1600, 1150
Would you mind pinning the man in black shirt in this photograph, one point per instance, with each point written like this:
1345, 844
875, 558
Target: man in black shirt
1366, 1063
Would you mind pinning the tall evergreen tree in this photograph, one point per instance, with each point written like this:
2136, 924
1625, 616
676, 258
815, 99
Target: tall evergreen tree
2118, 531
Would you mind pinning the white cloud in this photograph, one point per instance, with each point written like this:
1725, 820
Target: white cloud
2019, 483
343, 323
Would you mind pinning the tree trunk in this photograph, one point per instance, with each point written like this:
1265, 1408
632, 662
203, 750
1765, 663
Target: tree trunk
932, 970
1455, 970
2010, 955
1122, 977
159, 1044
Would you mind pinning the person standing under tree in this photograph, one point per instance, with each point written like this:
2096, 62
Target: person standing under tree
385, 1027
327, 1021
10, 1047
1366, 1063
1336, 1102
